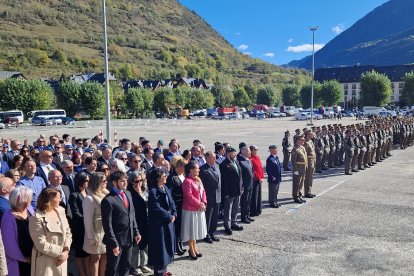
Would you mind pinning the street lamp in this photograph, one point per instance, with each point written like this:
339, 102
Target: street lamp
313, 29
106, 71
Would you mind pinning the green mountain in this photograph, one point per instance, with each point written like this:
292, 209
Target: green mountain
385, 36
147, 39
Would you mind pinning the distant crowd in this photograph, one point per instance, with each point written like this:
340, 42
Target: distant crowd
128, 209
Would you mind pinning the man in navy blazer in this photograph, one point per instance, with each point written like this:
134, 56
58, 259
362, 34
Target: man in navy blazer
120, 227
45, 165
211, 178
4, 167
274, 176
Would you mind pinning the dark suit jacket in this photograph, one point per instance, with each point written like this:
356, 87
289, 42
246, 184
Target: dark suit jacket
65, 205
145, 165
67, 181
231, 179
174, 184
8, 157
273, 169
118, 222
212, 183
4, 167
247, 172
41, 173
56, 161
4, 206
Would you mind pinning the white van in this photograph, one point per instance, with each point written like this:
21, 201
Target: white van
373, 110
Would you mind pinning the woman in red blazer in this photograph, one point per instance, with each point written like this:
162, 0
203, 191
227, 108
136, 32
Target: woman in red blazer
193, 223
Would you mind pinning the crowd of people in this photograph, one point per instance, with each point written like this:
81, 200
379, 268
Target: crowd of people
129, 209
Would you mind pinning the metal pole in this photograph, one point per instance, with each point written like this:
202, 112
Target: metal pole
313, 29
106, 71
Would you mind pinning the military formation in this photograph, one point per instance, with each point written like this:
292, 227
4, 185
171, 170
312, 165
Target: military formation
356, 147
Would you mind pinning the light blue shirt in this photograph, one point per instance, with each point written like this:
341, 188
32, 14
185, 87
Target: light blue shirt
36, 184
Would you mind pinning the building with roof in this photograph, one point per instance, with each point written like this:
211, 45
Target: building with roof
350, 79
11, 74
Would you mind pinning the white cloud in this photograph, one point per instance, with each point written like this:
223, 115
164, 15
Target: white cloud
304, 48
338, 29
238, 33
243, 47
271, 55
247, 53
290, 40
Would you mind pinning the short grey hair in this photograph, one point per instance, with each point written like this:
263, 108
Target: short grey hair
20, 197
66, 163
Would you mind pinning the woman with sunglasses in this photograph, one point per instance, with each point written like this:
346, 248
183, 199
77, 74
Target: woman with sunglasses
137, 186
92, 218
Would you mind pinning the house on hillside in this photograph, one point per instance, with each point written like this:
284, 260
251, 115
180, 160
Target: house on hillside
192, 82
350, 80
11, 74
98, 77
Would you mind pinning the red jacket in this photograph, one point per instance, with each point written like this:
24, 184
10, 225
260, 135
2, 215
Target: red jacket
257, 167
191, 194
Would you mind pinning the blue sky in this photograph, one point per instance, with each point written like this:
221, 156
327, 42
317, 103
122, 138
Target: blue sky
277, 30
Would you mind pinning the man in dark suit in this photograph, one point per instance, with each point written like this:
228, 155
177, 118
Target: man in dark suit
274, 176
247, 174
231, 189
15, 150
55, 180
147, 163
58, 157
68, 175
45, 165
118, 221
211, 178
4, 167
6, 187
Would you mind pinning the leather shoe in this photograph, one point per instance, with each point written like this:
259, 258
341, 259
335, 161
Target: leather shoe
309, 196
348, 173
245, 221
273, 205
214, 238
228, 231
208, 239
302, 200
250, 218
354, 170
236, 227
297, 200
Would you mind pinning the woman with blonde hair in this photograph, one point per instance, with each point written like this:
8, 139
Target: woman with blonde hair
51, 235
92, 218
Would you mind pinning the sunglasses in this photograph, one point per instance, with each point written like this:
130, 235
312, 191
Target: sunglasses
124, 159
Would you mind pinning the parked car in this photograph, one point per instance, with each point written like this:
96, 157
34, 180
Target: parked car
42, 121
302, 116
220, 117
2, 126
56, 120
68, 120
277, 114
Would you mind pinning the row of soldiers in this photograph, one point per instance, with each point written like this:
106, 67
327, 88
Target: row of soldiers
357, 146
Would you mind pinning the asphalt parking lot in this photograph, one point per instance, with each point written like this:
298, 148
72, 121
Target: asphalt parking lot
357, 225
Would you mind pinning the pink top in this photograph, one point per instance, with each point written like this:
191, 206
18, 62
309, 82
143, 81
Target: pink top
193, 193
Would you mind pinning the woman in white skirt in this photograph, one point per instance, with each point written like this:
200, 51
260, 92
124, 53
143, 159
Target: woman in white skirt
193, 223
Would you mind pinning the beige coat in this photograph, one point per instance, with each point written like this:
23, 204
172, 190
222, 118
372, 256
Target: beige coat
49, 239
92, 217
3, 264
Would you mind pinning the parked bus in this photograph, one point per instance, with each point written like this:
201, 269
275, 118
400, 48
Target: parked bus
6, 115
46, 113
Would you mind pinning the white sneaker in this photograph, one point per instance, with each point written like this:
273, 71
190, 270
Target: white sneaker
145, 269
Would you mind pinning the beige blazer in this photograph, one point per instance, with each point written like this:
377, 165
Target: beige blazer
92, 218
49, 239
3, 263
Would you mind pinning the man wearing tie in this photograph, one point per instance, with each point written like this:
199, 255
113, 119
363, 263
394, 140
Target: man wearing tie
45, 165
211, 178
69, 175
120, 227
231, 189
55, 180
247, 174
196, 155
274, 176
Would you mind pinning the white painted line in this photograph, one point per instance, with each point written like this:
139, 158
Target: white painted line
297, 206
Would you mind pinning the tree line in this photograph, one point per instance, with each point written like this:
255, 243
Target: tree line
89, 97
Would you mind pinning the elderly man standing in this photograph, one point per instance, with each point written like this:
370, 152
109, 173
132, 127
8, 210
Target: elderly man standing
247, 175
69, 176
274, 176
45, 164
30, 180
55, 180
6, 187
196, 155
231, 189
211, 178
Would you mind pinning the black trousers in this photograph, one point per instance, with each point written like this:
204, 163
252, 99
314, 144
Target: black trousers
212, 217
118, 265
256, 202
245, 202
